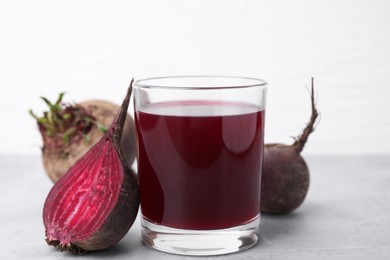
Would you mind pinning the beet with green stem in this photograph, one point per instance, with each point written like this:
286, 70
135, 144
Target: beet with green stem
69, 130
285, 175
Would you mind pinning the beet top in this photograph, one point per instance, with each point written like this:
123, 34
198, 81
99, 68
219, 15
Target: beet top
69, 130
285, 175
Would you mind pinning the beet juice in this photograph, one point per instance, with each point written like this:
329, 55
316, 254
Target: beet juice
199, 163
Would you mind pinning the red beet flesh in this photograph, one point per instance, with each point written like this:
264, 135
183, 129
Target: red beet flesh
94, 205
285, 175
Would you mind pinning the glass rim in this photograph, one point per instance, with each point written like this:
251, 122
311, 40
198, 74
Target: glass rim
251, 82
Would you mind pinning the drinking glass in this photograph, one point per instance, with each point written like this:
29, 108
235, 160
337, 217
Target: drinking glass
199, 156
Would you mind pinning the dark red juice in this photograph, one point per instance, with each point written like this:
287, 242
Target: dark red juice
199, 163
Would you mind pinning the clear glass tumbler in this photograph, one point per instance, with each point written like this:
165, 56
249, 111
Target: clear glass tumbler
199, 155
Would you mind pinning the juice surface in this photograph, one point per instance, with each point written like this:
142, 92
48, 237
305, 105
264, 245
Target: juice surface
199, 163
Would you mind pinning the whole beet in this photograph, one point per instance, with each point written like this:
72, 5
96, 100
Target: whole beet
285, 176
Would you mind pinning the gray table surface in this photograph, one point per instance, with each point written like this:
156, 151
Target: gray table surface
346, 215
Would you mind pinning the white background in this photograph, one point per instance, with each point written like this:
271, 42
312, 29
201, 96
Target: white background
91, 49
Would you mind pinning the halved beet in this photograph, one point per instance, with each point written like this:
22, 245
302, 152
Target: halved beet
95, 203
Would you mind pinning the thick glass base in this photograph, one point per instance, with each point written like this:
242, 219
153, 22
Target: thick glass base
200, 242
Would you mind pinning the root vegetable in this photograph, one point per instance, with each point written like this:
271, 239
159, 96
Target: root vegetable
70, 130
285, 176
96, 202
